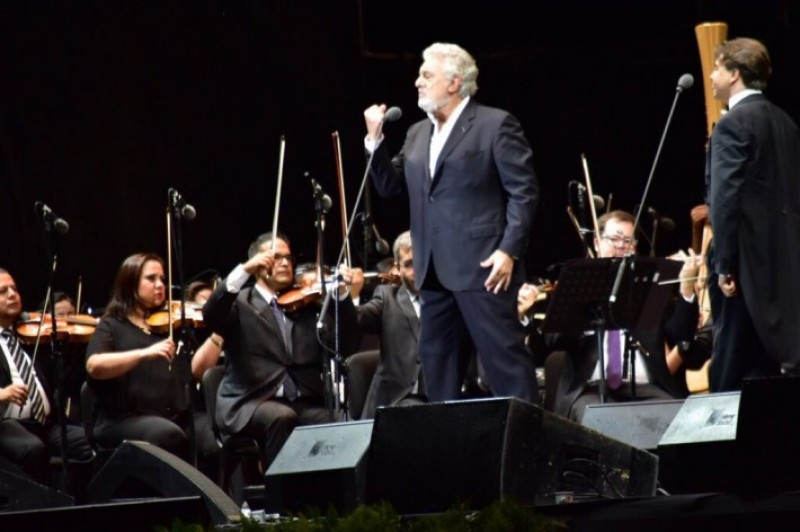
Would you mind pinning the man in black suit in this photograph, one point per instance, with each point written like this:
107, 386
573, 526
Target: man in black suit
29, 432
273, 362
393, 314
468, 172
754, 175
578, 376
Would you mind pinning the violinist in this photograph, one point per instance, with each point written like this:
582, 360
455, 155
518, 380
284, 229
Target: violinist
29, 432
73, 351
576, 381
139, 394
393, 314
273, 360
65, 305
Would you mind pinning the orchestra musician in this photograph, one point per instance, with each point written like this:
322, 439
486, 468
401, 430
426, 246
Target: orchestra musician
139, 392
577, 378
468, 172
393, 314
752, 172
29, 431
273, 361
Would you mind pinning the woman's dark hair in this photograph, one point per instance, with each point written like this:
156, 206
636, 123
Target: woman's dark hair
124, 294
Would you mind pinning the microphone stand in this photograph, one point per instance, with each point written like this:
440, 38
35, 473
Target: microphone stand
186, 343
329, 374
653, 235
340, 257
628, 259
367, 223
56, 352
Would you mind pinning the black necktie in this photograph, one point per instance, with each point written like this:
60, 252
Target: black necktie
26, 374
289, 386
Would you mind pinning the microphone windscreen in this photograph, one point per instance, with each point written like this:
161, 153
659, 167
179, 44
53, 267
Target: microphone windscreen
685, 82
61, 226
392, 114
189, 213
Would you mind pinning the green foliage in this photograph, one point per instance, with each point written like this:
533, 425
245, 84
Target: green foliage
500, 516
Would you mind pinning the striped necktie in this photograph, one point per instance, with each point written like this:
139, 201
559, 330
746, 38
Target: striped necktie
26, 373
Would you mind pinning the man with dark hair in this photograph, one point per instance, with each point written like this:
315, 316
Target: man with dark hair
273, 362
29, 432
753, 170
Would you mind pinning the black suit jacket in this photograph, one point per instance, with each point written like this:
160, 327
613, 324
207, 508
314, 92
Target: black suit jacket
754, 174
41, 373
256, 360
390, 314
481, 197
582, 356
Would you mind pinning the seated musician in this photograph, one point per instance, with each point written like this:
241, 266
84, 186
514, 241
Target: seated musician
273, 361
29, 429
577, 380
134, 370
72, 355
393, 314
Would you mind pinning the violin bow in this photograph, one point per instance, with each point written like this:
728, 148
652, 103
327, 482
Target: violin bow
169, 276
78, 297
590, 193
278, 192
337, 154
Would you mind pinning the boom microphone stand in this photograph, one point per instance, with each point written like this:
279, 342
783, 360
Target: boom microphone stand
52, 223
392, 114
180, 210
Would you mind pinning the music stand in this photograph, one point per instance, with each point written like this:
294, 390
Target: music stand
581, 300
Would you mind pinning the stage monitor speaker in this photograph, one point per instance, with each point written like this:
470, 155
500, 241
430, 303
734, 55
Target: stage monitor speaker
427, 458
138, 470
768, 435
639, 424
19, 492
697, 451
320, 466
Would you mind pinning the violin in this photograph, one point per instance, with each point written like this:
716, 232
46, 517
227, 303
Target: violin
160, 320
76, 328
298, 297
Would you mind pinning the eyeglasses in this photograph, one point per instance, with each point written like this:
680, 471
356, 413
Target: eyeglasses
280, 257
619, 241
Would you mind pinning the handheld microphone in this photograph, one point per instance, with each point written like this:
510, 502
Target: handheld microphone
51, 219
319, 195
392, 114
187, 211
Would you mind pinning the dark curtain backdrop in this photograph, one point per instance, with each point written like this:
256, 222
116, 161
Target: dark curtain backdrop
105, 105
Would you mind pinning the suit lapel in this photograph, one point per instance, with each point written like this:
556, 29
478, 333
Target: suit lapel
263, 309
404, 300
459, 131
425, 142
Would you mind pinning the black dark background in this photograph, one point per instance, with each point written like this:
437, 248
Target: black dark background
104, 105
